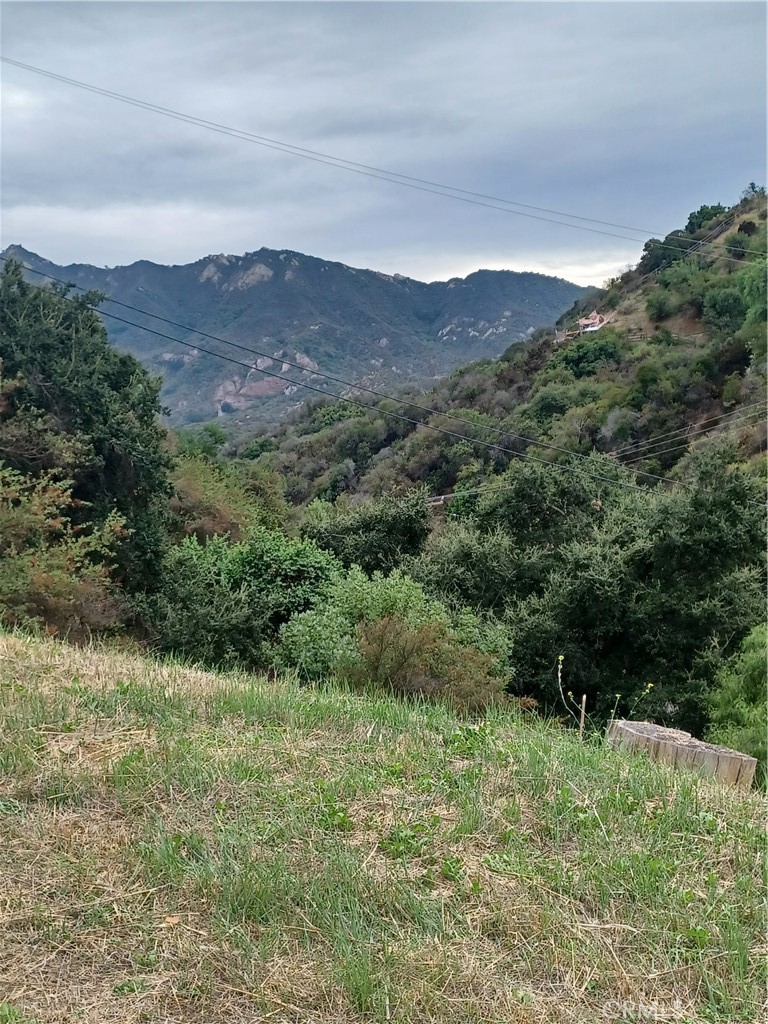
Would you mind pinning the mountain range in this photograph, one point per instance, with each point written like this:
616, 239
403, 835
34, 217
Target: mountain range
367, 327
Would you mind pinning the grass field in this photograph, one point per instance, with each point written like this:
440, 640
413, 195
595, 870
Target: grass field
178, 846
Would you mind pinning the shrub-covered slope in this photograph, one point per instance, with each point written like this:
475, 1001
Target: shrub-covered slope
683, 356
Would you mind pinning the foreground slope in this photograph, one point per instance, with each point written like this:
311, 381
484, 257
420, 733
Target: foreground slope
366, 326
184, 846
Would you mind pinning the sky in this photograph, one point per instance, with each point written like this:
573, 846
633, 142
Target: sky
632, 113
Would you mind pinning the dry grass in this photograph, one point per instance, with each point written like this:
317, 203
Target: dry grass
181, 846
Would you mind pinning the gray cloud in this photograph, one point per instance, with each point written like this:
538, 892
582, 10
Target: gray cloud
630, 112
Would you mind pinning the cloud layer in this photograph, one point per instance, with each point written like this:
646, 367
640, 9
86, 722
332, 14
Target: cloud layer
628, 112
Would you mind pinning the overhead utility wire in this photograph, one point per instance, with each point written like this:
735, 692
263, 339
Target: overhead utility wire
299, 150
393, 177
637, 445
694, 249
367, 408
651, 443
749, 419
362, 405
337, 380
405, 419
643, 451
730, 428
490, 486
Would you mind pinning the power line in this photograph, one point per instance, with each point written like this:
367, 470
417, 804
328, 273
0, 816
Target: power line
394, 177
387, 413
361, 405
729, 428
741, 412
652, 442
692, 251
337, 380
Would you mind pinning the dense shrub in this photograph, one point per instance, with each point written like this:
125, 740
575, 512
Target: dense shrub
374, 534
212, 498
52, 574
465, 566
752, 283
684, 567
385, 630
738, 703
659, 306
425, 661
585, 357
220, 603
207, 441
204, 611
73, 384
724, 309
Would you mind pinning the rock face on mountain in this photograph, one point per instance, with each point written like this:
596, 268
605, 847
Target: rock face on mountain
366, 327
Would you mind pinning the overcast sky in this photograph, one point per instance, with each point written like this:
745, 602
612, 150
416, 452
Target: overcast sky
633, 113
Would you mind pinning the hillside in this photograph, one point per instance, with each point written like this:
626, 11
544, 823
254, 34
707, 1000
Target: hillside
185, 847
365, 326
682, 356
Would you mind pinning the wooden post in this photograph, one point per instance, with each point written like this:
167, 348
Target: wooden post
679, 749
583, 714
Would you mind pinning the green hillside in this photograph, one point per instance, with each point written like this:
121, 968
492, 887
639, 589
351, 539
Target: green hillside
193, 847
683, 355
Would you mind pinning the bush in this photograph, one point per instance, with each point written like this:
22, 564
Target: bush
206, 441
258, 446
724, 309
585, 357
461, 564
52, 574
211, 499
203, 611
375, 534
684, 567
738, 704
740, 245
659, 306
425, 661
393, 616
223, 604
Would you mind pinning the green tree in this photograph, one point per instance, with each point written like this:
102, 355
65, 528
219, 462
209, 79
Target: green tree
375, 534
221, 603
701, 217
647, 593
72, 384
659, 306
724, 309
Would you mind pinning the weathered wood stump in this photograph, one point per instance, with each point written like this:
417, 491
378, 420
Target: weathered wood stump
680, 750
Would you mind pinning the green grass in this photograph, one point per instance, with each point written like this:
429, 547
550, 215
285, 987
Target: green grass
179, 845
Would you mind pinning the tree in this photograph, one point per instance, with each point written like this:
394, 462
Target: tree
376, 534
656, 590
701, 217
71, 390
724, 309
52, 574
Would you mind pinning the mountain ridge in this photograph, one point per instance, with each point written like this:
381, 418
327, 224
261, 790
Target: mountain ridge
366, 326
